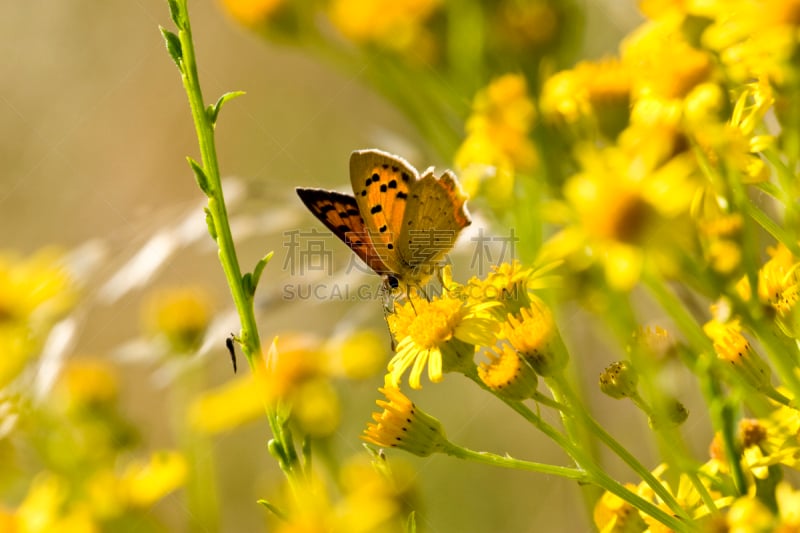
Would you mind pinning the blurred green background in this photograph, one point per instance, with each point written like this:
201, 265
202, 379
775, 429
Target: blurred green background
94, 130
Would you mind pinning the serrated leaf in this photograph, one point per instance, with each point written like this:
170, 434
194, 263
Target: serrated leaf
174, 47
210, 223
213, 110
260, 268
200, 176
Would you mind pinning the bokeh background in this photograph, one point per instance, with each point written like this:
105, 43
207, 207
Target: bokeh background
94, 130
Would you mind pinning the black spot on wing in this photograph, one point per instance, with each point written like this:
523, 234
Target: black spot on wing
376, 209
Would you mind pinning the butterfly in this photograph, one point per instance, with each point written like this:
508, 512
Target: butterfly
399, 223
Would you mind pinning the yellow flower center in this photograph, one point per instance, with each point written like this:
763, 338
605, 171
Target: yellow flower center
435, 323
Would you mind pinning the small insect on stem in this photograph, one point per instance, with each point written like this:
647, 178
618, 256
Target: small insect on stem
231, 350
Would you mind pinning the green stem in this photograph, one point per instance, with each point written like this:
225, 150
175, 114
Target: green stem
595, 474
702, 366
577, 411
515, 464
220, 228
204, 127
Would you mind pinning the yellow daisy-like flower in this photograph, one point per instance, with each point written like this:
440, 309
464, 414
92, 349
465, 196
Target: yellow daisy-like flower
535, 336
35, 292
757, 39
397, 25
403, 425
771, 441
181, 315
613, 514
779, 281
251, 12
228, 406
662, 63
507, 374
497, 144
507, 284
593, 92
145, 482
440, 333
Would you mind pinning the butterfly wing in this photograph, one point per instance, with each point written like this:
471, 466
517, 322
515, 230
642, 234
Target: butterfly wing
340, 214
435, 216
381, 183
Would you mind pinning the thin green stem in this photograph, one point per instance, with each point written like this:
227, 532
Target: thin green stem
204, 127
702, 367
515, 464
574, 409
219, 226
595, 473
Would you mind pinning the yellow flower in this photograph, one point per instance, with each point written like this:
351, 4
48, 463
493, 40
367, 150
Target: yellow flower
251, 12
397, 25
507, 374
34, 294
497, 144
439, 333
685, 494
35, 291
522, 26
145, 482
285, 369
181, 315
748, 515
405, 426
772, 441
612, 514
375, 498
507, 284
316, 409
628, 206
778, 280
47, 507
594, 94
360, 355
757, 39
228, 406
732, 347
662, 63
535, 336
87, 382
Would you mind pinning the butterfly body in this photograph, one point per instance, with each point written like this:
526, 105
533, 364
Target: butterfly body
399, 223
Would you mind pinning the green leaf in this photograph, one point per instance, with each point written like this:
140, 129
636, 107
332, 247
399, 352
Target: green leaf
273, 509
213, 110
200, 176
247, 284
259, 269
411, 524
176, 14
173, 47
210, 223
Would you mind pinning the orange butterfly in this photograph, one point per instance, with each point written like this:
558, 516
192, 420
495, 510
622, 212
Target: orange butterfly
399, 223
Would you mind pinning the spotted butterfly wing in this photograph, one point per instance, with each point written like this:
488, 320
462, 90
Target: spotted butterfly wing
340, 214
413, 221
435, 216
